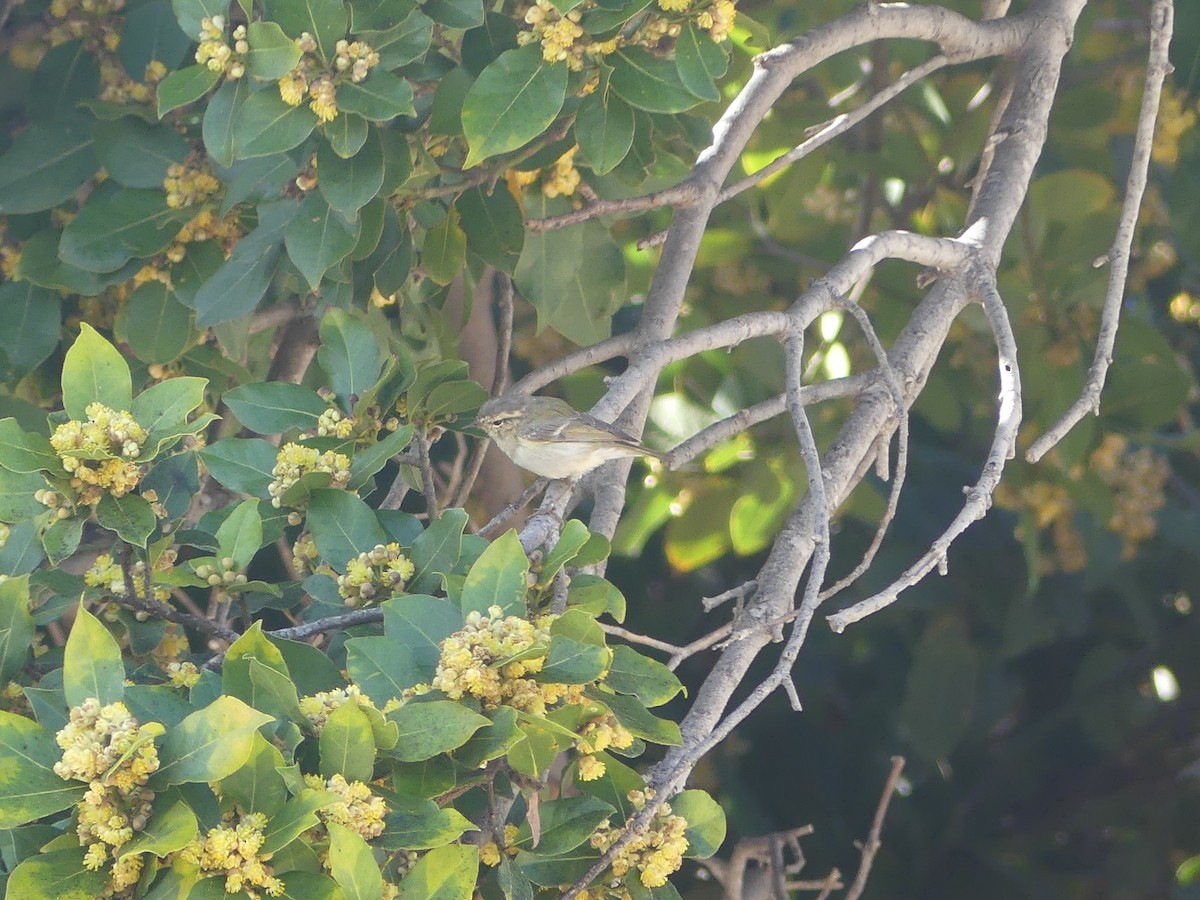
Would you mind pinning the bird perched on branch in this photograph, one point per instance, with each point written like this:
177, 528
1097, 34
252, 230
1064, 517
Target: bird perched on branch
550, 438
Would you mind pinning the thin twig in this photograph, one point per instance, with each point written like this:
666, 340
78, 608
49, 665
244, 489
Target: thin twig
501, 518
160, 610
1157, 69
634, 638
683, 194
330, 623
429, 489
873, 843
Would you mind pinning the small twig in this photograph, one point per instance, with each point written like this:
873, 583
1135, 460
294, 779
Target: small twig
1161, 25
683, 194
397, 492
609, 348
634, 638
318, 626
429, 489
873, 843
832, 882
501, 518
740, 592
979, 497
149, 605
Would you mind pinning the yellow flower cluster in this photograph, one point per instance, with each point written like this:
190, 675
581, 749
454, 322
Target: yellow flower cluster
96, 22
353, 60
105, 573
557, 33
718, 19
110, 441
105, 747
356, 808
1137, 478
489, 851
232, 850
596, 737
183, 674
295, 461
674, 5
218, 55
225, 574
317, 708
562, 178
1175, 119
334, 423
305, 554
377, 574
656, 851
472, 663
186, 185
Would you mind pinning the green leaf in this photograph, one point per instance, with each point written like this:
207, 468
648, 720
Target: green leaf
633, 714
210, 744
184, 86
571, 662
497, 578
220, 115
343, 526
444, 252
241, 282
17, 502
422, 826
241, 534
241, 464
427, 729
371, 459
572, 539
513, 101
166, 832
189, 13
420, 624
491, 742
297, 816
167, 404
257, 786
437, 550
16, 626
92, 664
565, 824
272, 53
604, 129
648, 82
352, 864
380, 98
700, 62
136, 153
325, 20
347, 746
151, 32
265, 124
56, 875
444, 873
24, 451
348, 184
130, 517
706, 822
483, 45
67, 74
157, 327
116, 225
46, 165
494, 226
32, 320
346, 134
318, 238
29, 788
271, 407
647, 679
382, 667
455, 13
574, 277
378, 15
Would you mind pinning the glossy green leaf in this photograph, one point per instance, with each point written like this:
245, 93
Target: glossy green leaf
511, 102
649, 82
444, 873
92, 666
270, 407
497, 578
16, 626
66, 75
705, 822
379, 15
29, 788
422, 826
494, 226
347, 747
565, 824
33, 317
272, 53
240, 283
633, 714
403, 43
604, 130
382, 667
342, 526
647, 679
46, 165
184, 86
25, 451
444, 251
189, 14
437, 549
17, 502
130, 516
298, 815
319, 237
348, 184
380, 98
166, 832
420, 623
455, 13
571, 662
94, 372
371, 459
210, 744
265, 124
257, 786
346, 134
157, 327
241, 464
352, 864
325, 20
241, 534
152, 32
220, 116
56, 875
427, 729
116, 225
699, 62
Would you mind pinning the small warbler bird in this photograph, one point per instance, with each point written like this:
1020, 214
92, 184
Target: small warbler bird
549, 438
